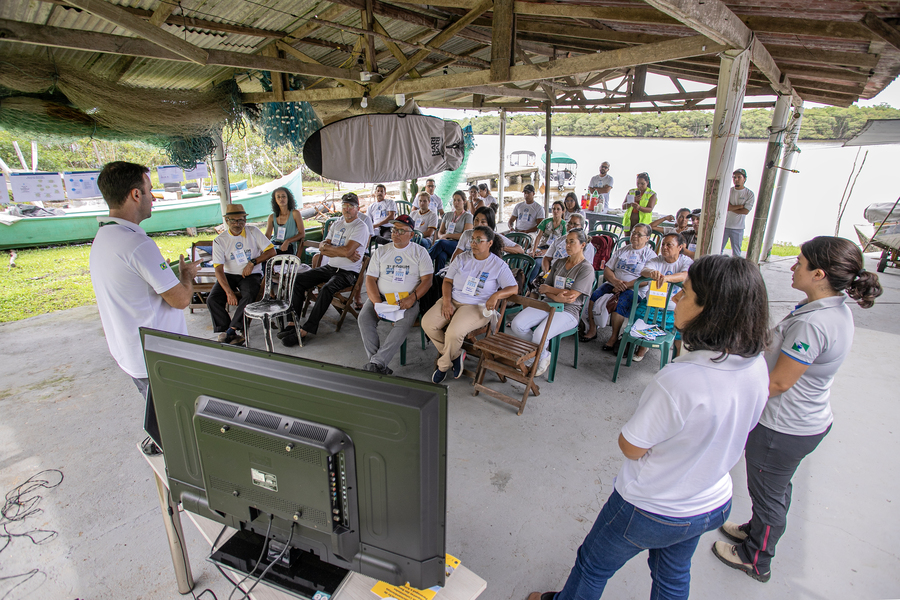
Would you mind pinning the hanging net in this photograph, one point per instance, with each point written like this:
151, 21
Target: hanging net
285, 123
451, 180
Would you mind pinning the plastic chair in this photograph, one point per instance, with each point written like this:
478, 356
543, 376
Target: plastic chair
656, 240
612, 225
517, 261
403, 208
275, 303
310, 250
522, 239
417, 237
615, 238
555, 341
653, 316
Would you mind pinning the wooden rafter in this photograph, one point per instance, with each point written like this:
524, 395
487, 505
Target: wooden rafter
392, 47
503, 39
162, 12
882, 29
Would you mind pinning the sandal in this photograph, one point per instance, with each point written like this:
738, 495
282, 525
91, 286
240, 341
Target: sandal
584, 338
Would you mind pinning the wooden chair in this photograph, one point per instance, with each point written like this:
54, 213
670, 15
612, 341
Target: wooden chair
277, 296
526, 264
506, 356
206, 276
343, 300
653, 316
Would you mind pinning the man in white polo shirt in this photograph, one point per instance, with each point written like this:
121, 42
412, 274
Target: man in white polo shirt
343, 248
740, 202
526, 215
436, 204
382, 212
134, 285
238, 255
399, 274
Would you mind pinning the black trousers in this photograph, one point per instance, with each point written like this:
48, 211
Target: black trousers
218, 300
334, 279
772, 459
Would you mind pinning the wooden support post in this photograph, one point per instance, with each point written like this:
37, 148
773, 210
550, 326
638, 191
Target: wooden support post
221, 166
735, 65
549, 155
767, 181
503, 39
502, 178
276, 78
792, 135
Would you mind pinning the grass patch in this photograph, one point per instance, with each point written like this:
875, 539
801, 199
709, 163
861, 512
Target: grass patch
778, 248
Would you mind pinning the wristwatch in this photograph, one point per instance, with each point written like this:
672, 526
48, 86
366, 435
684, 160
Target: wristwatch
253, 260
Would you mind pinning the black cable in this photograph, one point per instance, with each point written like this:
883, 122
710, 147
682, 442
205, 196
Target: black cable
20, 504
271, 564
258, 560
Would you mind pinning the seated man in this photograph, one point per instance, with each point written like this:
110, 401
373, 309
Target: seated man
237, 256
526, 215
343, 249
399, 273
382, 212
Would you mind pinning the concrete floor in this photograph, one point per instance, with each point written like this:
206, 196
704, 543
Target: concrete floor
523, 491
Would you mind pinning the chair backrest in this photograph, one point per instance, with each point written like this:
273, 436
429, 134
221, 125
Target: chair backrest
519, 261
403, 208
609, 224
622, 242
288, 266
522, 239
326, 226
205, 246
652, 315
417, 237
656, 240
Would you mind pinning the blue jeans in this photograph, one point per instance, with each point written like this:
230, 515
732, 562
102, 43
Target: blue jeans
441, 252
623, 306
623, 531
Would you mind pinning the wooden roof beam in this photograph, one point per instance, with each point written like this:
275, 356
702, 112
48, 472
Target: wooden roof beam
503, 39
882, 29
162, 12
143, 29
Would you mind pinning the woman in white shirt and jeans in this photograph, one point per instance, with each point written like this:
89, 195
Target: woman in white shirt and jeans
686, 435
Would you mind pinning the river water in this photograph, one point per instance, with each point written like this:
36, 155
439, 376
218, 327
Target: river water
677, 170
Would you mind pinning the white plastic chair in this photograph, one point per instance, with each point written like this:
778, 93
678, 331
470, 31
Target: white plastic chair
275, 303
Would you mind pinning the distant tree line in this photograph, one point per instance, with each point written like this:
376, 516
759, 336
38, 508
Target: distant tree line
831, 123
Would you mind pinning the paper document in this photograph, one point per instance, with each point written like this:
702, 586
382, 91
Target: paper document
657, 296
389, 312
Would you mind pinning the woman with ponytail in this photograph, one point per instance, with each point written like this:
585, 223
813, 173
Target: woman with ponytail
808, 347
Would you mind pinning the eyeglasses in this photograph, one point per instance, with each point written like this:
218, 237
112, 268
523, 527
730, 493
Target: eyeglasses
396, 231
479, 240
236, 221
639, 235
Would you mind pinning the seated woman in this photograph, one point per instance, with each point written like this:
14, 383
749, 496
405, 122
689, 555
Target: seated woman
426, 220
623, 267
682, 222
571, 207
475, 201
671, 266
484, 217
484, 192
569, 281
550, 229
692, 234
452, 226
477, 281
286, 223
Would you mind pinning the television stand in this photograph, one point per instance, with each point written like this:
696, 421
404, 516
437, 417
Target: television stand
305, 576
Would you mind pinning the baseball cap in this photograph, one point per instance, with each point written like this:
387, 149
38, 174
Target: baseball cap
350, 198
528, 188
741, 171
404, 220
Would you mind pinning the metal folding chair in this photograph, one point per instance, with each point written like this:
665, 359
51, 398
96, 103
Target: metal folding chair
277, 296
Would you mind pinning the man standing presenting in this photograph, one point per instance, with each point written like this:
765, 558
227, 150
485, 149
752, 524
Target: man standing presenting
526, 215
134, 285
437, 205
602, 184
740, 202
399, 273
237, 258
343, 248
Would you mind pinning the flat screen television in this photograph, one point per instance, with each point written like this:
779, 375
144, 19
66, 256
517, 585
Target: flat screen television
345, 469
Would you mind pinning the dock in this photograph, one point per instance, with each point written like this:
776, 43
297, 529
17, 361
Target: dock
512, 174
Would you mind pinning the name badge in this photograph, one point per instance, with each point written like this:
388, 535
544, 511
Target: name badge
282, 232
471, 287
338, 238
559, 282
240, 257
451, 227
399, 274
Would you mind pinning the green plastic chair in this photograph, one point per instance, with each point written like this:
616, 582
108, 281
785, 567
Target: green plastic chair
653, 316
522, 239
309, 253
403, 208
656, 240
603, 232
555, 341
520, 261
610, 225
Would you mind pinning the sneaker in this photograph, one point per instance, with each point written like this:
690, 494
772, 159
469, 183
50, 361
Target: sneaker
438, 376
223, 336
371, 367
458, 365
733, 532
729, 556
285, 332
237, 340
543, 365
290, 339
229, 338
384, 370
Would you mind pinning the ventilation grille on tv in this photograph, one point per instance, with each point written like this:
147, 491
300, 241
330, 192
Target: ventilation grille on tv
263, 442
309, 431
220, 408
263, 420
310, 515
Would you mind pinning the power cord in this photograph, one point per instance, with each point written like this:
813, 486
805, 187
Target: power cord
20, 504
258, 560
271, 564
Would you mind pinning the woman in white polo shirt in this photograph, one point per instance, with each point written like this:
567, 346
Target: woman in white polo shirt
476, 281
685, 436
810, 344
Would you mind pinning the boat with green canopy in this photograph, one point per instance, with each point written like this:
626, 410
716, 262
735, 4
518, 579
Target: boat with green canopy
563, 169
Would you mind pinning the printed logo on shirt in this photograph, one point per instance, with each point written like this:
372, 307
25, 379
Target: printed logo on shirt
392, 270
800, 347
398, 259
163, 266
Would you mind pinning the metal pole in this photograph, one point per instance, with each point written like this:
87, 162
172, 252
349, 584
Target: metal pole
790, 143
502, 179
175, 534
549, 154
767, 181
222, 173
733, 70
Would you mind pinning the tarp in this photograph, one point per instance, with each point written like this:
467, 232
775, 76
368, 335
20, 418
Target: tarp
878, 212
877, 132
559, 158
384, 147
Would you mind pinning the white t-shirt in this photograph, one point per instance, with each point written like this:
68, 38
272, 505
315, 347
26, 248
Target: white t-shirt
465, 240
694, 417
368, 221
379, 211
129, 273
818, 334
474, 281
528, 215
627, 263
558, 250
424, 221
436, 205
342, 233
744, 198
233, 252
598, 181
681, 265
399, 269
